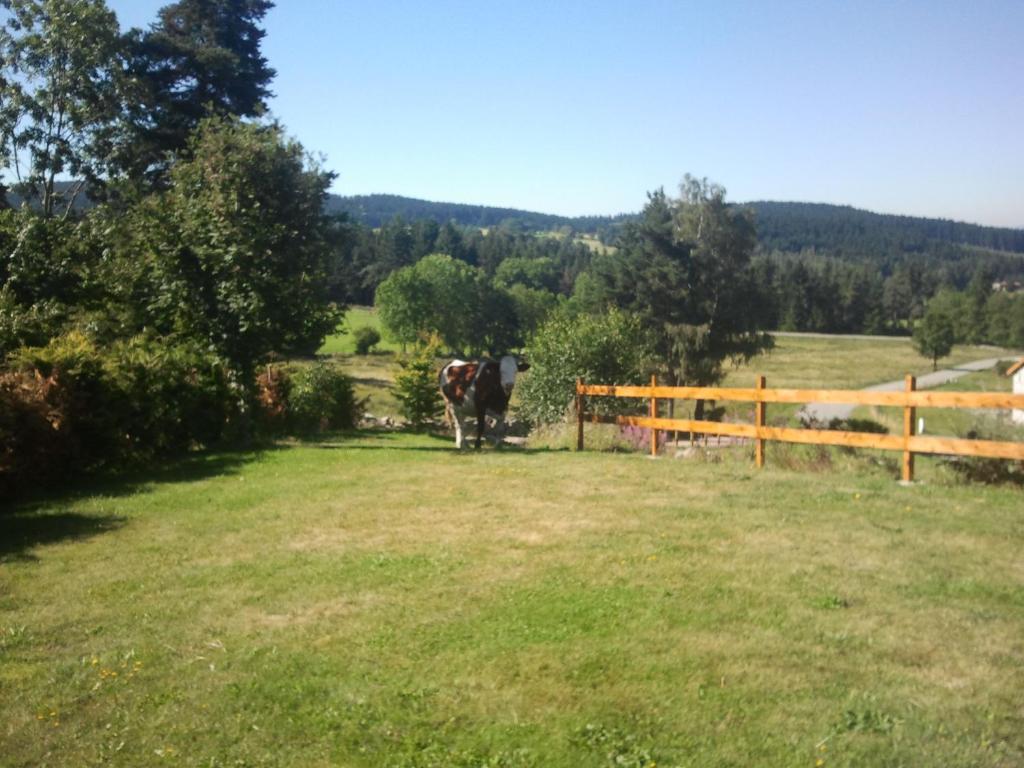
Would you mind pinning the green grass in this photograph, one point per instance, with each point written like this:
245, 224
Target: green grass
373, 376
381, 600
342, 343
373, 373
958, 422
843, 363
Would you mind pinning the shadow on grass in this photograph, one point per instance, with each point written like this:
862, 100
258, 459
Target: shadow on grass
196, 466
440, 443
447, 448
22, 532
29, 521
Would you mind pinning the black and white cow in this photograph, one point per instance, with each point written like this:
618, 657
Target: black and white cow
480, 388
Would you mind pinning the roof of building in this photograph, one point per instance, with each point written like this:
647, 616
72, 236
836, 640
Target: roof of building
1015, 367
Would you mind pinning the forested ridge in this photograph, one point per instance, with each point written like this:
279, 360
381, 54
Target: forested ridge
374, 210
815, 267
846, 231
791, 227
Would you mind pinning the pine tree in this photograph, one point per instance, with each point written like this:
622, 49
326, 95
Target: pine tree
200, 58
684, 268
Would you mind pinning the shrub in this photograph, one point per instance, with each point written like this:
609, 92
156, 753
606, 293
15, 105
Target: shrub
71, 406
321, 397
610, 348
416, 385
980, 469
171, 396
977, 469
31, 423
87, 414
366, 338
32, 325
273, 388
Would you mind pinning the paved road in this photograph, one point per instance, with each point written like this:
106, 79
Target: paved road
825, 412
861, 336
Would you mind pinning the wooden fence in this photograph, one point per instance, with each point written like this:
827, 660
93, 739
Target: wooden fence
909, 443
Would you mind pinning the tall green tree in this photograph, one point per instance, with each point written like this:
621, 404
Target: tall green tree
200, 58
444, 296
934, 335
237, 245
58, 95
978, 292
683, 268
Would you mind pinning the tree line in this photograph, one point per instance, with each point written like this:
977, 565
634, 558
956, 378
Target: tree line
836, 231
791, 292
362, 257
375, 210
141, 324
819, 268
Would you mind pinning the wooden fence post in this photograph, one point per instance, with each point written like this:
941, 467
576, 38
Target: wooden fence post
579, 414
654, 415
759, 422
909, 426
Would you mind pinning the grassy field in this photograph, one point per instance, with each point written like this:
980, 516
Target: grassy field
342, 343
957, 422
381, 600
846, 363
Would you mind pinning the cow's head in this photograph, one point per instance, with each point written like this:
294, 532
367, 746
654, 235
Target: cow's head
509, 366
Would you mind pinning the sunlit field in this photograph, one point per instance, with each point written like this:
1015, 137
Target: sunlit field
382, 600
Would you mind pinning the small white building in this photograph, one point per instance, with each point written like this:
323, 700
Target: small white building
1017, 372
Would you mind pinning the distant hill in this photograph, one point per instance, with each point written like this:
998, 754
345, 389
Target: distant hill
82, 202
374, 210
836, 230
842, 230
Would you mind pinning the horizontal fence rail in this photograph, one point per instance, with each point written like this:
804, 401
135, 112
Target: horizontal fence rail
909, 443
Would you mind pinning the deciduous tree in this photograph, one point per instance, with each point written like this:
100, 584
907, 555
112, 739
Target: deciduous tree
58, 97
238, 245
442, 295
934, 335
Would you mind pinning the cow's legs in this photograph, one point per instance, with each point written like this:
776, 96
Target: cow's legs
457, 421
481, 422
499, 429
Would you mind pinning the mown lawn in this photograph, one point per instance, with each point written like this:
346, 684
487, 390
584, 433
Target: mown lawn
380, 600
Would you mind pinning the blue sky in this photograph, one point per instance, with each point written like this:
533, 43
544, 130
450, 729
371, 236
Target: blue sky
582, 107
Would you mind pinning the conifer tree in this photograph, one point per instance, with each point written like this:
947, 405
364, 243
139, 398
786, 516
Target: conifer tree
200, 58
